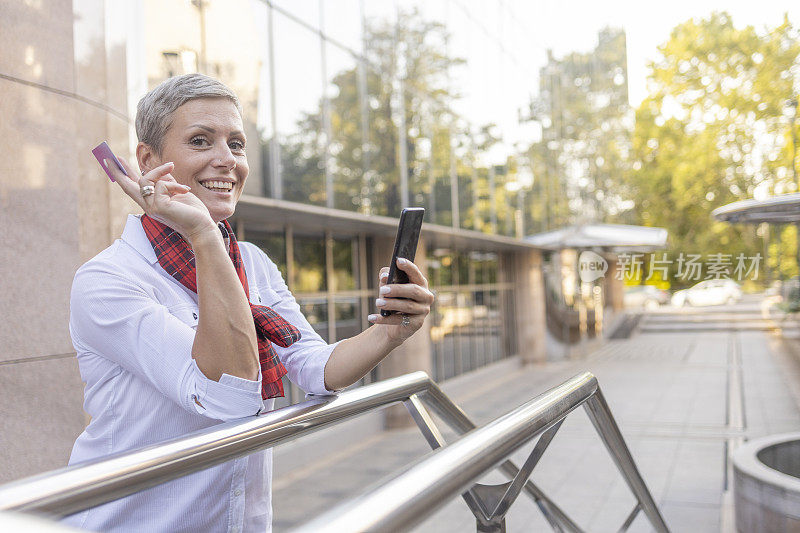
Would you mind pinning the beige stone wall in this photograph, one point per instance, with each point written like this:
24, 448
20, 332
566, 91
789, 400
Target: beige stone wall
530, 307
614, 288
56, 211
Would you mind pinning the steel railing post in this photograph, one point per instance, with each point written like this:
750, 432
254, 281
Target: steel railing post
600, 415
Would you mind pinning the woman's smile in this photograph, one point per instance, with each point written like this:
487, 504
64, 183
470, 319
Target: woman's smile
206, 142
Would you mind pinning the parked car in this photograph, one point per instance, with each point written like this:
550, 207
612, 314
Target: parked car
709, 292
646, 296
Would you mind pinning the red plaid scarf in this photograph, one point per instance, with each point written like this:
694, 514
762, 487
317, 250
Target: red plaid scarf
177, 258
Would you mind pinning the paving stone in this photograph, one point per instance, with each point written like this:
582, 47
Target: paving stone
668, 393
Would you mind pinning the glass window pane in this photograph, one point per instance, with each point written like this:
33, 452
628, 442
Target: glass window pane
309, 264
441, 267
173, 44
420, 182
342, 21
382, 175
273, 244
441, 171
443, 332
464, 180
305, 10
346, 113
344, 264
298, 102
380, 12
462, 267
348, 317
482, 220
316, 312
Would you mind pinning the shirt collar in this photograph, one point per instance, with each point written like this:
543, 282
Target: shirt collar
134, 235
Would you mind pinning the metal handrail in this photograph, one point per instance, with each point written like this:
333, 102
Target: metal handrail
409, 497
75, 488
72, 489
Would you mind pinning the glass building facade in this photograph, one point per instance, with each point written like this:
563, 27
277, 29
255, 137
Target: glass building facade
351, 105
355, 105
352, 109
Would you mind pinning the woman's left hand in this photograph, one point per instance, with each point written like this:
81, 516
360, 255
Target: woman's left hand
412, 301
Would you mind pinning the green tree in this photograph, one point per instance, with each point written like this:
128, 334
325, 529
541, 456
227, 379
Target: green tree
712, 130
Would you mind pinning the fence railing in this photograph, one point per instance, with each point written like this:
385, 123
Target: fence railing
396, 505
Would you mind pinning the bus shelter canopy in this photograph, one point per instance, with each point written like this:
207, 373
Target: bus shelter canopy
613, 238
776, 210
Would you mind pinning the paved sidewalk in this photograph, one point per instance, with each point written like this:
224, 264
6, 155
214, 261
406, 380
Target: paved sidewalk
682, 396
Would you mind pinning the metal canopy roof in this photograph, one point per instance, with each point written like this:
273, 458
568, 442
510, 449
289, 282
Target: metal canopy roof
777, 209
608, 237
268, 214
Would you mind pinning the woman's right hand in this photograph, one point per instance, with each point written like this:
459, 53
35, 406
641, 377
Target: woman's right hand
172, 203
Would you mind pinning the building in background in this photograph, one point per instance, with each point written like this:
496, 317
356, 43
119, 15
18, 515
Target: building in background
351, 111
586, 123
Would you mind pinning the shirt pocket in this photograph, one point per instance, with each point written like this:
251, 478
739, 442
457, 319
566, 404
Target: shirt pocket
186, 313
265, 296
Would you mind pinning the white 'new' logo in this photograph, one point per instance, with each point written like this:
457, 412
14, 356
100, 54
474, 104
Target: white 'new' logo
591, 266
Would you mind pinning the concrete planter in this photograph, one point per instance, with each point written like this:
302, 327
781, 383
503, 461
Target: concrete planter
766, 484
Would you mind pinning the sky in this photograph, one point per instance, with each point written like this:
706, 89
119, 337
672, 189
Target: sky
496, 85
567, 26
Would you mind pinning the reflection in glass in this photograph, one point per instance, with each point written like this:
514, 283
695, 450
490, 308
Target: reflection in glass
465, 194
345, 264
382, 178
420, 166
274, 245
299, 111
346, 160
309, 265
316, 312
440, 167
182, 37
348, 319
342, 22
467, 329
88, 36
305, 10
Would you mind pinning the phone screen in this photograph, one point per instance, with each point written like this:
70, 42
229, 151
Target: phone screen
405, 245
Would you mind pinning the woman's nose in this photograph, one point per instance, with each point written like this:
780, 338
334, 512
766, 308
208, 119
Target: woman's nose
224, 157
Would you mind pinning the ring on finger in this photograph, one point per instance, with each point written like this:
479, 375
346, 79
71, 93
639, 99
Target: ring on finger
147, 190
405, 321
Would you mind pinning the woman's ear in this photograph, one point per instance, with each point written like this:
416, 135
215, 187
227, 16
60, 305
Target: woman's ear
147, 158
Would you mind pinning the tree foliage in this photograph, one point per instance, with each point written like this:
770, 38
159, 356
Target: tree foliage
712, 131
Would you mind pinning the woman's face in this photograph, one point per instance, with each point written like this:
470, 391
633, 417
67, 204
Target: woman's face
207, 144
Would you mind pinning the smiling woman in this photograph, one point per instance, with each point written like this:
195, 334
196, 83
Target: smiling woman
178, 326
195, 122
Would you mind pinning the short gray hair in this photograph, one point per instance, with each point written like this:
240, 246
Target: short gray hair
154, 112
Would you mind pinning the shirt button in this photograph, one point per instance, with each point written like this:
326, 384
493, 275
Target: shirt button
237, 492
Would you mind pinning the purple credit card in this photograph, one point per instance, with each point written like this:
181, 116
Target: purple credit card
102, 152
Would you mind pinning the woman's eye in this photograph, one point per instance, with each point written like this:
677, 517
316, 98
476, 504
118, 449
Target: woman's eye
197, 141
237, 145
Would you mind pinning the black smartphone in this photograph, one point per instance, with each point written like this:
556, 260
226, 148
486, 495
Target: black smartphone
405, 245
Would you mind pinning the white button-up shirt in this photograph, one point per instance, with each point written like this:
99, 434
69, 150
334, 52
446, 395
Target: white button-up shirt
133, 326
